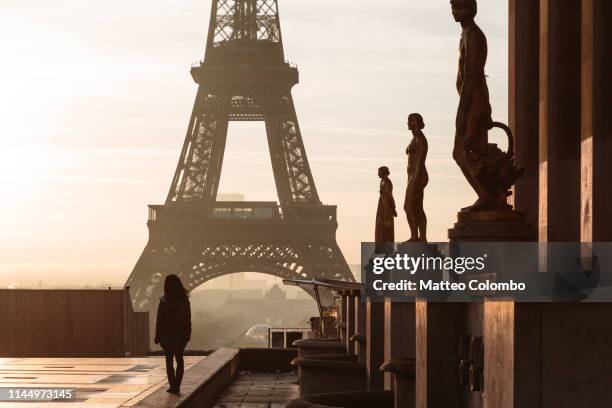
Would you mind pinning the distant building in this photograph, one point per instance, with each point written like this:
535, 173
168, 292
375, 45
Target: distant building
276, 293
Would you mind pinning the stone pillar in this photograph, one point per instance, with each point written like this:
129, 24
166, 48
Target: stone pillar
512, 350
560, 68
524, 54
581, 329
438, 327
350, 321
360, 314
400, 332
360, 325
596, 124
375, 344
342, 322
526, 343
511, 332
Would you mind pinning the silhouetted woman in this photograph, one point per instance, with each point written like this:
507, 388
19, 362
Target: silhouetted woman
173, 328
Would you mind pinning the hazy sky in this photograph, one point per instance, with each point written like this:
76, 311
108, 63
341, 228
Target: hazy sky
95, 98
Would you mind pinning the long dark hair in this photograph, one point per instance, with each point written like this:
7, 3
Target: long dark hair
174, 289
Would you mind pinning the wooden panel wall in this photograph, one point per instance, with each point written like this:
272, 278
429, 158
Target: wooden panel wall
66, 323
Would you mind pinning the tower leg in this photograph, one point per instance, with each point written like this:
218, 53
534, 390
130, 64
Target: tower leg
292, 173
199, 169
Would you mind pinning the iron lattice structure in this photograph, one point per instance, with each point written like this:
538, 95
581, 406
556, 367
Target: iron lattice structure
243, 77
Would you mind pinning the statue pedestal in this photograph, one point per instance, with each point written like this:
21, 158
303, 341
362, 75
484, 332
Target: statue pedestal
418, 248
500, 326
492, 226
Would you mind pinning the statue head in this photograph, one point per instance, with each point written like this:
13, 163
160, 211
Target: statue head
383, 172
464, 10
415, 122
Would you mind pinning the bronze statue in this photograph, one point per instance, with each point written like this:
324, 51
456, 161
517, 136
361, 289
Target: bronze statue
490, 172
417, 179
385, 230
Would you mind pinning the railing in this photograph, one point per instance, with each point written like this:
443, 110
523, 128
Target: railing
239, 211
200, 63
284, 337
245, 213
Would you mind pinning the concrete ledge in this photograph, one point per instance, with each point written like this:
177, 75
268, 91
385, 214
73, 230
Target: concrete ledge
310, 347
325, 376
202, 383
334, 363
359, 338
267, 360
403, 367
369, 399
316, 339
328, 357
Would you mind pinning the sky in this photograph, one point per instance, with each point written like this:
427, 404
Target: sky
95, 98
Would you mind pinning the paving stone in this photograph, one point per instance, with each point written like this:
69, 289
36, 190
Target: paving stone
99, 382
260, 390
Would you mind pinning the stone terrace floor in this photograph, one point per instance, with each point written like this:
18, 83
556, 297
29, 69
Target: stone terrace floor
99, 382
259, 390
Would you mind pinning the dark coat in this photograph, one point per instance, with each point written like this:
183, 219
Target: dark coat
173, 328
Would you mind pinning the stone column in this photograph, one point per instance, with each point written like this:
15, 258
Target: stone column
375, 344
342, 322
511, 332
596, 124
438, 327
591, 329
524, 54
360, 325
400, 332
525, 341
350, 321
560, 69
512, 351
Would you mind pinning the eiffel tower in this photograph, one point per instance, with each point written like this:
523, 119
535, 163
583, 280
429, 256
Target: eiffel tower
243, 77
